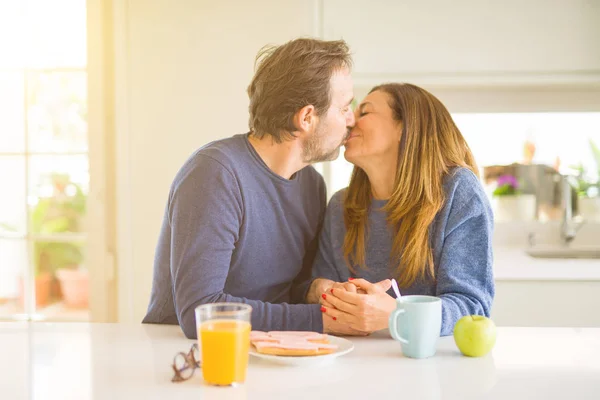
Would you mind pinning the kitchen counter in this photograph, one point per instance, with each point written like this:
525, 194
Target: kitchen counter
513, 263
120, 361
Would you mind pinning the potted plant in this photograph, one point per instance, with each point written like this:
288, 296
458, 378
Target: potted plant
42, 278
61, 213
588, 188
42, 281
509, 203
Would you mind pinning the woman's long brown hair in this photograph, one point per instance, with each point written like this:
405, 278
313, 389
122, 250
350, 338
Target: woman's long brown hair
430, 146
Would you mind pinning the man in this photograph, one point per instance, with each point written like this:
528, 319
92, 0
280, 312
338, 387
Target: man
243, 214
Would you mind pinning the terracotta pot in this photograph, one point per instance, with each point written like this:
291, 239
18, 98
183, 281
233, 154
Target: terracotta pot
43, 283
74, 285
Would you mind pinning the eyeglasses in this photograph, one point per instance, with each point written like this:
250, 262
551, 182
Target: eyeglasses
184, 364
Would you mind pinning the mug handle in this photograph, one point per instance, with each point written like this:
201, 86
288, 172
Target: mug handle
393, 325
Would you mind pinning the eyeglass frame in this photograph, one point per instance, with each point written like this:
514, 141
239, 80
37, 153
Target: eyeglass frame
190, 361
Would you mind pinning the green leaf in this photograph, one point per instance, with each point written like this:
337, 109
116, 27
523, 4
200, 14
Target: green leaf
55, 225
50, 256
505, 190
596, 153
39, 213
7, 227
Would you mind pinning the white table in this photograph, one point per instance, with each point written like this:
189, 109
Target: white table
118, 361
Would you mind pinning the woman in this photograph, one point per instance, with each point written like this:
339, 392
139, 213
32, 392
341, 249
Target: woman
414, 210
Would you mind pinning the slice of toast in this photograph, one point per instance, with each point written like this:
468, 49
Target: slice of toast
290, 343
294, 348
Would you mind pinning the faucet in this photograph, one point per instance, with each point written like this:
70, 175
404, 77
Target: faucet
570, 224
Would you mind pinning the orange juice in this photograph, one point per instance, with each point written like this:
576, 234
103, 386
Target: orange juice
225, 345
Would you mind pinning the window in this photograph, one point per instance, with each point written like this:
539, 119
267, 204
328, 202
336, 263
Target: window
566, 141
557, 139
44, 168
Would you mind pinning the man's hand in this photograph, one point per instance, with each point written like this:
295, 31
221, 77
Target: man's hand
352, 288
347, 286
367, 312
317, 288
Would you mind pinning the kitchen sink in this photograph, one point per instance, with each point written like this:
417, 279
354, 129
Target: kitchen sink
582, 252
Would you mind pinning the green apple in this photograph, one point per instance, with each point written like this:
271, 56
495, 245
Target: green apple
475, 335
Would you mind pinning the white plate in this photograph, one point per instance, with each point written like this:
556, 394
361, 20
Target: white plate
344, 347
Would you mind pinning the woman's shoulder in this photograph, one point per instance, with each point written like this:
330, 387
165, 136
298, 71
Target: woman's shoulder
337, 200
461, 176
463, 187
334, 215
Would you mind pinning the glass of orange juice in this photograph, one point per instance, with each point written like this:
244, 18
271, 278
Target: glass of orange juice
224, 341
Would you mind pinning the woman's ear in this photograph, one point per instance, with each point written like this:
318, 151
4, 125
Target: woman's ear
399, 127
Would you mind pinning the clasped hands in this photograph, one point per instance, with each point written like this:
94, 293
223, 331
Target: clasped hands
356, 307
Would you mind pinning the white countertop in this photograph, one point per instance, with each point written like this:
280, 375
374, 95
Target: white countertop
513, 264
118, 361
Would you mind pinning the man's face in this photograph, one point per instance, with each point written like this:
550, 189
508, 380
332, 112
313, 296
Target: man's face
334, 125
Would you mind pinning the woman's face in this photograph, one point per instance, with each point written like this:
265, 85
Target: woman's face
375, 137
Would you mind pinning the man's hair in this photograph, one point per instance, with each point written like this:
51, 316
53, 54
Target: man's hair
290, 77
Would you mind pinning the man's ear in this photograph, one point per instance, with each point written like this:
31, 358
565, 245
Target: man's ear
306, 119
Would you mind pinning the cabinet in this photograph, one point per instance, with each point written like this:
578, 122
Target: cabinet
435, 41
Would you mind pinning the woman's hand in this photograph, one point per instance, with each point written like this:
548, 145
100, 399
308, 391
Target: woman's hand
364, 312
334, 327
330, 324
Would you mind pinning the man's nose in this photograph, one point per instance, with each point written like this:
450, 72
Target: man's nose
350, 120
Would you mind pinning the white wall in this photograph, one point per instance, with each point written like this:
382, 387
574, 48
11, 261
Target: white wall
182, 68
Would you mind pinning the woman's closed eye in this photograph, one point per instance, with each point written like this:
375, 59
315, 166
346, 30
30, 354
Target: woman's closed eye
362, 111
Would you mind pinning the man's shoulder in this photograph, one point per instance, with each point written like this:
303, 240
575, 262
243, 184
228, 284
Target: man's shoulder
313, 177
213, 160
223, 151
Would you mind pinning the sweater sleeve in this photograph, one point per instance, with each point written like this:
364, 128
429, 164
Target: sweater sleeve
325, 265
304, 280
205, 214
465, 280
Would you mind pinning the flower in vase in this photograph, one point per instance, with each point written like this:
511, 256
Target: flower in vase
506, 185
